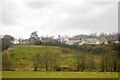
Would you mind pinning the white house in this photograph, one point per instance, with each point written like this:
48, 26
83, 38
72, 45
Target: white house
74, 40
63, 39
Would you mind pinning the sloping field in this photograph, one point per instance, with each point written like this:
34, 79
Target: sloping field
26, 54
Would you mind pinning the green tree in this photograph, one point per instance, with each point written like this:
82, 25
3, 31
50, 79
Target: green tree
34, 38
119, 37
6, 41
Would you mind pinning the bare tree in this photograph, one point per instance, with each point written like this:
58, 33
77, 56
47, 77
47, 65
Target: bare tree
36, 62
80, 62
6, 61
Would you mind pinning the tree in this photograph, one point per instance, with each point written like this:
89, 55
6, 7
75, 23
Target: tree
0, 53
80, 62
6, 61
91, 62
119, 37
114, 59
20, 40
36, 62
102, 64
109, 57
47, 61
116, 49
6, 42
0, 45
34, 38
105, 50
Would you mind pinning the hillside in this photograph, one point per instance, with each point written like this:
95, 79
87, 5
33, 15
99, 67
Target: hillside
23, 55
53, 58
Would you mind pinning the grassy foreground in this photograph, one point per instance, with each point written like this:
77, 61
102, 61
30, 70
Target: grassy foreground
32, 74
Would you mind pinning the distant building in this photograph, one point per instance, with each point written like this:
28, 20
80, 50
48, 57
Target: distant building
81, 41
63, 39
103, 40
47, 40
74, 40
90, 41
95, 41
117, 42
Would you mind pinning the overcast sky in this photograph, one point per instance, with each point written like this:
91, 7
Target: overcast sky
53, 17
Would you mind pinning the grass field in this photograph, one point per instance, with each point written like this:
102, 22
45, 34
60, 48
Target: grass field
63, 55
33, 74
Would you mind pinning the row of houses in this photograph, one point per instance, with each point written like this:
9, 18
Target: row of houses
67, 40
81, 41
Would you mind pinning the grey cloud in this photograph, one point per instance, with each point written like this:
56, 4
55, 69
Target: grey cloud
106, 21
1, 11
38, 5
9, 14
65, 16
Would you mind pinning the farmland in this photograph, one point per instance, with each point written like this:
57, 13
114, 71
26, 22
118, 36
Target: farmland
30, 61
32, 74
54, 58
29, 52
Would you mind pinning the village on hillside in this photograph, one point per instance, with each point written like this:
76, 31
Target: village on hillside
75, 40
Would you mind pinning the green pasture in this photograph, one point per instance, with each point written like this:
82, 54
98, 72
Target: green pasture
28, 52
38, 74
